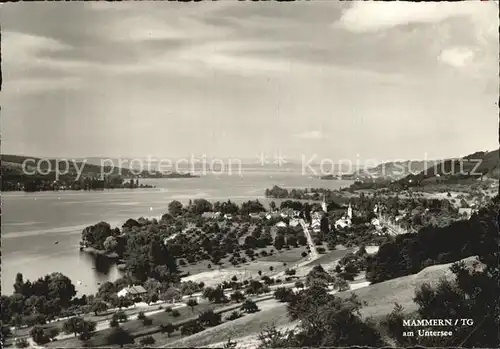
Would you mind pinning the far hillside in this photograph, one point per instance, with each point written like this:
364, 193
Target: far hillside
473, 167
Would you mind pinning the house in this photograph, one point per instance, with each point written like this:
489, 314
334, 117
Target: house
376, 223
316, 218
132, 291
288, 212
281, 225
228, 216
342, 223
198, 296
210, 215
465, 212
294, 222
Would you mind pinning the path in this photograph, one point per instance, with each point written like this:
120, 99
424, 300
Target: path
310, 242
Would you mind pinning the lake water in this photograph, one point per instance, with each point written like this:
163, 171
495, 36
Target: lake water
32, 222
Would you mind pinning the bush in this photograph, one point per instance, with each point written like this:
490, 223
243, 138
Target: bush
113, 323
175, 313
120, 337
168, 309
121, 316
39, 336
237, 296
147, 321
234, 315
249, 306
141, 315
304, 254
21, 343
209, 318
53, 332
167, 328
321, 250
148, 340
191, 328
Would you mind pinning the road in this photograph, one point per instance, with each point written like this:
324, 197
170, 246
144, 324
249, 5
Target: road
310, 242
104, 324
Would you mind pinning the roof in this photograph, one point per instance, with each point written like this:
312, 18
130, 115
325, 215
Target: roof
209, 214
136, 289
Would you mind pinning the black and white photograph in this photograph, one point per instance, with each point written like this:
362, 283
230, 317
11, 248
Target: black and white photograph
250, 174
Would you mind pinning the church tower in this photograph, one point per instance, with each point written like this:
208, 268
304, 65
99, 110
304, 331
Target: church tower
323, 204
349, 211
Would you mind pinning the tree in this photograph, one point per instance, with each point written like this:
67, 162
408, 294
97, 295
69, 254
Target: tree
148, 340
215, 295
209, 318
192, 303
110, 244
237, 296
474, 295
120, 337
5, 332
171, 294
201, 206
39, 336
98, 306
326, 320
167, 328
73, 325
393, 324
60, 287
79, 326
340, 284
175, 208
254, 287
229, 344
249, 306
279, 242
318, 275
283, 294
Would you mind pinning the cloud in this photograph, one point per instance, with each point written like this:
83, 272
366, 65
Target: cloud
310, 135
457, 57
374, 16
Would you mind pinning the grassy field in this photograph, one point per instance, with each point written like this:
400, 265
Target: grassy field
379, 298
271, 312
293, 255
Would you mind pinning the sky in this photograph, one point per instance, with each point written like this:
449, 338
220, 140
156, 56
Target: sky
336, 80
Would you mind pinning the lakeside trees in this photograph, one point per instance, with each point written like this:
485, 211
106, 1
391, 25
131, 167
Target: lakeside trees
37, 302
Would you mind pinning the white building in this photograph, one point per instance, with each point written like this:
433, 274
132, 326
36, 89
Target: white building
132, 291
281, 225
